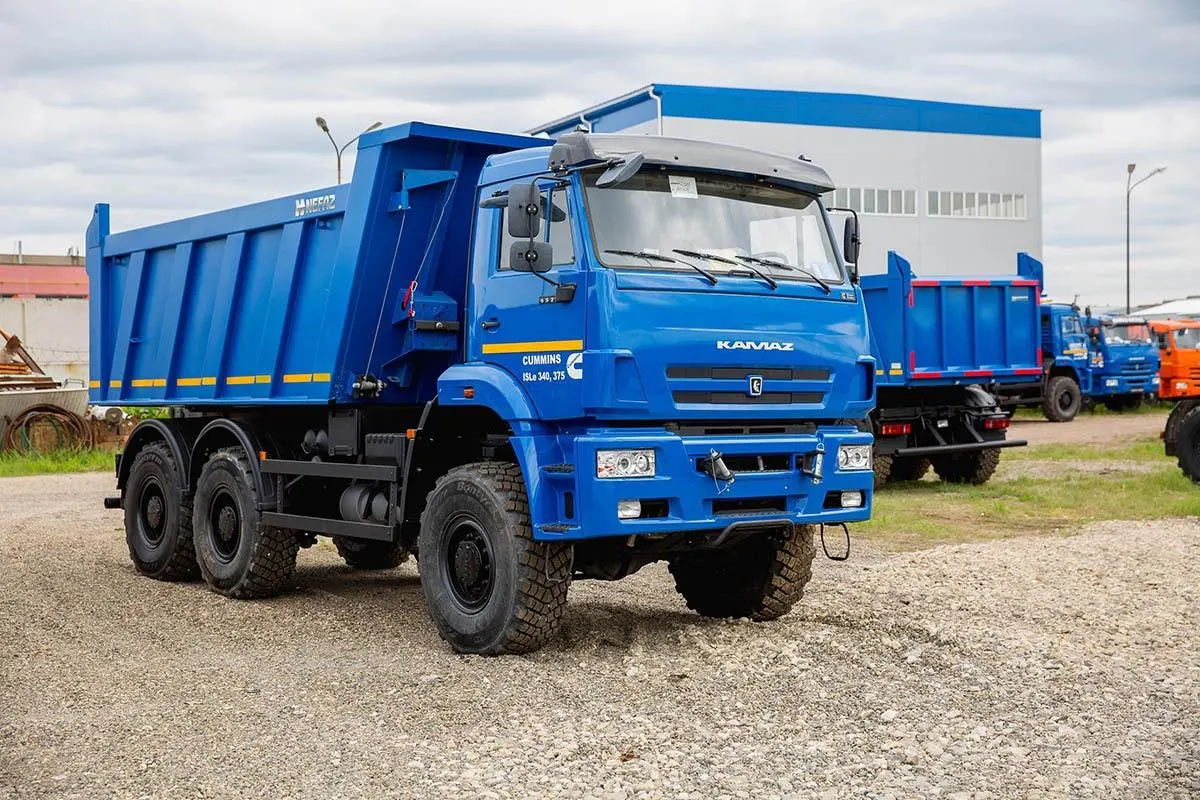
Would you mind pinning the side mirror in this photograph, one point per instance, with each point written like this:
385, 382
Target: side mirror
524, 211
850, 242
621, 172
531, 256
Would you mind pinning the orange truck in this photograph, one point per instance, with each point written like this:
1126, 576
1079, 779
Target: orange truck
1179, 351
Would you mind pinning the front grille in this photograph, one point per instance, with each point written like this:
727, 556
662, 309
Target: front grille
738, 398
744, 373
1195, 373
779, 462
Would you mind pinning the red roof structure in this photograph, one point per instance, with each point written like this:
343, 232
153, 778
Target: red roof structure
42, 276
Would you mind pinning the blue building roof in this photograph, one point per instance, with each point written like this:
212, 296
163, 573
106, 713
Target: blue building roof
800, 108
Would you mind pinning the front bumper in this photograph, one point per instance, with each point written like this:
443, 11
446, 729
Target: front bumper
1111, 385
1178, 388
686, 499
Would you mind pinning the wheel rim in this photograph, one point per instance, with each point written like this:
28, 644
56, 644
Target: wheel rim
470, 566
226, 525
1064, 401
152, 512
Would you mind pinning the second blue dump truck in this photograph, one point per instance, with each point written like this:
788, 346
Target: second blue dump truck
1087, 359
944, 346
498, 354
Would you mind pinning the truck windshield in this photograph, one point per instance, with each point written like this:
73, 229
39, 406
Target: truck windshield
1130, 333
779, 231
1187, 339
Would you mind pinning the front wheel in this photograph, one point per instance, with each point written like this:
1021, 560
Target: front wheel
1187, 445
1063, 400
490, 587
762, 577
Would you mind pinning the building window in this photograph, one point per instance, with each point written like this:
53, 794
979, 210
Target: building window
990, 205
890, 202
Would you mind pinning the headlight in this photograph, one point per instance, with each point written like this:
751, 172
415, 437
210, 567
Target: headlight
1154, 380
624, 463
854, 456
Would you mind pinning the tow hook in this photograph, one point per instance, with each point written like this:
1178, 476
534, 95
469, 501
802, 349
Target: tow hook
842, 556
813, 464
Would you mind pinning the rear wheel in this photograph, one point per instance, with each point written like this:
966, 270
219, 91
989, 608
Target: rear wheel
239, 556
762, 577
490, 587
1062, 400
909, 469
365, 554
158, 520
975, 468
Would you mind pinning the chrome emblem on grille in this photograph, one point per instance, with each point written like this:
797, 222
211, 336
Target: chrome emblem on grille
755, 385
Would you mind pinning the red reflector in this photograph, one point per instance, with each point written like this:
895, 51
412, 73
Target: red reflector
995, 423
895, 428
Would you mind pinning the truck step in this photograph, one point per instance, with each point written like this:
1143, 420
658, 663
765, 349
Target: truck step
558, 527
559, 469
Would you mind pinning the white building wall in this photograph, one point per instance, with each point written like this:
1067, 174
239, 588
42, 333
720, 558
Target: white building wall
887, 159
53, 330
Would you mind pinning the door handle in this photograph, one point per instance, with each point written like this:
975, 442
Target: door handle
490, 324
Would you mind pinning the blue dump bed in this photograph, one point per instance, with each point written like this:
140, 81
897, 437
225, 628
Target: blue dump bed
287, 301
952, 330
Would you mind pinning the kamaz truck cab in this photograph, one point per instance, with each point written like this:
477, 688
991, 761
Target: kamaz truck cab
1179, 354
1124, 361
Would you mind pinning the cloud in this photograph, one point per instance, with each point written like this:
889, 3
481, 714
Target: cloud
172, 109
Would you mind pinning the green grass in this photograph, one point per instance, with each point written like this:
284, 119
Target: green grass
911, 516
16, 464
1138, 450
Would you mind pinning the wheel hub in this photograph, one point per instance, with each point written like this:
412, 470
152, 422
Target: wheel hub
226, 525
469, 565
153, 513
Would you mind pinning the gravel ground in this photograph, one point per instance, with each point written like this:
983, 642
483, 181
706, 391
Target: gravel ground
1091, 428
1028, 668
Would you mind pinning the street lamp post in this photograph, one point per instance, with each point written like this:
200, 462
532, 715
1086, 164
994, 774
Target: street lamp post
339, 150
1130, 185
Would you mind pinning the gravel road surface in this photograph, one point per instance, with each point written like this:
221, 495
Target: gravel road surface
1027, 668
1090, 428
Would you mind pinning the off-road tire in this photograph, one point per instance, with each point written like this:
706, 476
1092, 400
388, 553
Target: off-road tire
1175, 419
883, 470
365, 554
1063, 399
909, 469
1187, 445
262, 560
760, 577
975, 468
525, 598
162, 551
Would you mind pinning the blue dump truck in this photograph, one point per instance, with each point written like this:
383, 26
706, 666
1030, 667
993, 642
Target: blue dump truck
1087, 359
942, 347
495, 353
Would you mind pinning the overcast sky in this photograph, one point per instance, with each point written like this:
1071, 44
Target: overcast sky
166, 109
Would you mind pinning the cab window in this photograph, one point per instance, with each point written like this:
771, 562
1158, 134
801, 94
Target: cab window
1071, 325
556, 229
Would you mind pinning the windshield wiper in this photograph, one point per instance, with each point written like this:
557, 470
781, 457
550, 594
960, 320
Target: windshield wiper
646, 254
781, 265
722, 259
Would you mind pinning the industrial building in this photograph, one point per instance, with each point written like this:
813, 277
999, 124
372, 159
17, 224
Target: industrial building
43, 300
954, 188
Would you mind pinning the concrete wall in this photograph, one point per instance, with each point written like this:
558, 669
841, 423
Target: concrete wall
53, 330
915, 160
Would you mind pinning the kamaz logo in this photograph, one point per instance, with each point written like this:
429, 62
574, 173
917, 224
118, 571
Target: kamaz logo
311, 205
726, 344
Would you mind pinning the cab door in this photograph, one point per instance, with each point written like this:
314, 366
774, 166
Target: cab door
526, 325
